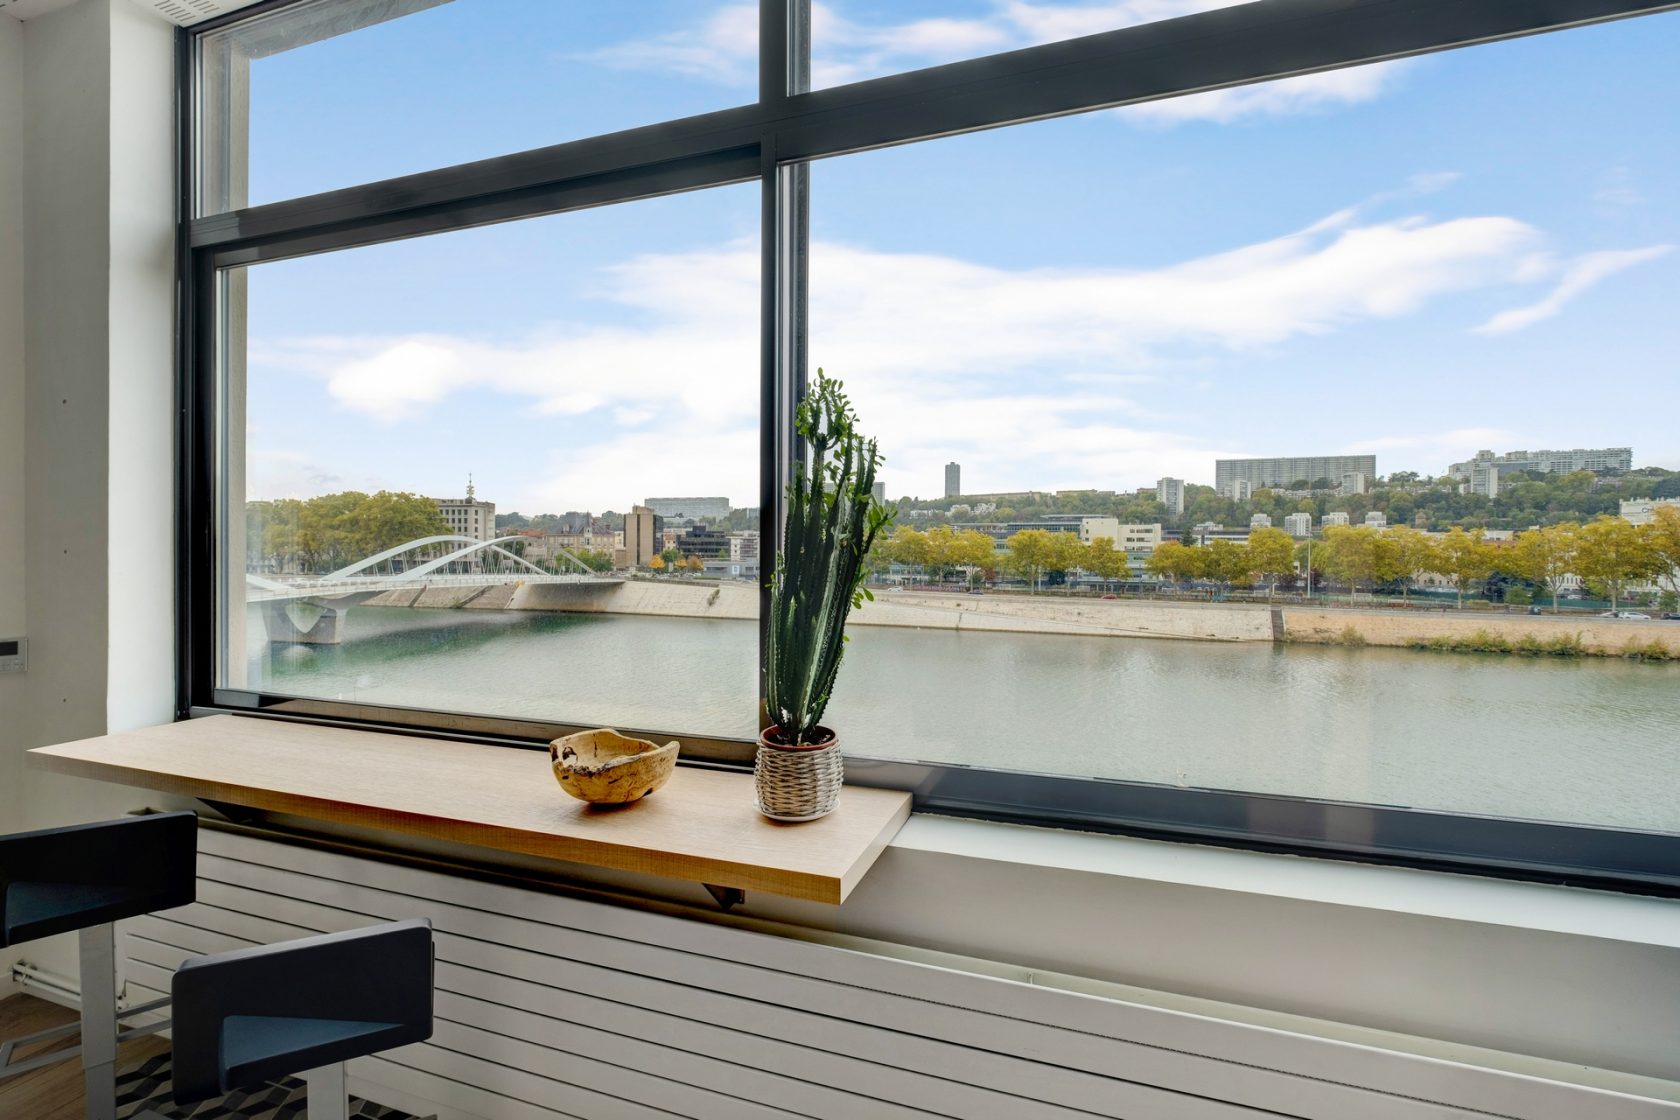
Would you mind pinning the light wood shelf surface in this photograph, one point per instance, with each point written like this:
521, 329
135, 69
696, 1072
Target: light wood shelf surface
701, 826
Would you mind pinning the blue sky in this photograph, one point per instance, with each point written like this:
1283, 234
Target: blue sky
1419, 259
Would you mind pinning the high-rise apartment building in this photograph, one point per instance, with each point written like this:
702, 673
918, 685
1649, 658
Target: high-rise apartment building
1170, 493
688, 509
1298, 524
469, 517
1481, 474
1279, 473
1260, 521
953, 480
1339, 517
643, 536
880, 492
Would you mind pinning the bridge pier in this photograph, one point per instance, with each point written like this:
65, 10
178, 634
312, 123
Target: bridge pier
301, 622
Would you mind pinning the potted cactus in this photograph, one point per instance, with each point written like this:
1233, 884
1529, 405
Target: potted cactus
832, 521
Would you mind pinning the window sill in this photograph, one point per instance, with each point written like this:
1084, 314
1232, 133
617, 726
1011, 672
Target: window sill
1541, 907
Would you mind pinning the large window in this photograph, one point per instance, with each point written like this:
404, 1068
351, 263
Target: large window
1202, 341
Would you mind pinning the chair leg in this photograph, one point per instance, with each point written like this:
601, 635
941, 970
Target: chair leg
99, 1020
326, 1097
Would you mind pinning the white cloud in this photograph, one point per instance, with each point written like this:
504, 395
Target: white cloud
1581, 274
1029, 377
723, 48
1306, 93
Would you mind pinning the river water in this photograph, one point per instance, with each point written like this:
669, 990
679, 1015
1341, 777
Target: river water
1592, 740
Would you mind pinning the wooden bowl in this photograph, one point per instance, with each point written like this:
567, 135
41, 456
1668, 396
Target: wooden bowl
603, 767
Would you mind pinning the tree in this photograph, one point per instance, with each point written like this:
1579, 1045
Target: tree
1031, 552
1175, 561
1271, 553
1611, 553
1067, 553
1546, 555
1225, 562
657, 564
1663, 533
1464, 558
1105, 561
1414, 554
694, 564
672, 557
1356, 554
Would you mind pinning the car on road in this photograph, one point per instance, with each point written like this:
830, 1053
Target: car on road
1625, 614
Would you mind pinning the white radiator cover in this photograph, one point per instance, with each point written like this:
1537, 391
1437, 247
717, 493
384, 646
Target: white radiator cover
550, 1007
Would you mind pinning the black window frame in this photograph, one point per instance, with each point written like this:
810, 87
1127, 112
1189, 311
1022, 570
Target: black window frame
771, 141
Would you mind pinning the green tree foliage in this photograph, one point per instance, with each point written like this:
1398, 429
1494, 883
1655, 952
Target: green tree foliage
1271, 553
1032, 552
1464, 558
1663, 533
1546, 555
331, 531
1611, 553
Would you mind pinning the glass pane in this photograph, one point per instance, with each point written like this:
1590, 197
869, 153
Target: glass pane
1207, 338
333, 93
508, 470
853, 40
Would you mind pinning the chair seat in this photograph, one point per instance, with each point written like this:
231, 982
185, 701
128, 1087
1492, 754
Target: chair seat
35, 909
256, 1048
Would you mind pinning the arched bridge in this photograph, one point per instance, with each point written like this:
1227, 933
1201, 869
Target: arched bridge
311, 609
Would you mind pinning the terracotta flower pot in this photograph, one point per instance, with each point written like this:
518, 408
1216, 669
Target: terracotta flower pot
798, 783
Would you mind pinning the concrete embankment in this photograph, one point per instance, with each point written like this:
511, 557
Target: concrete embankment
1127, 618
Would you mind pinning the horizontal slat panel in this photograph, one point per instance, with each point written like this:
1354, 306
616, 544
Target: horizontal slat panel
998, 1038
725, 1017
1164, 1032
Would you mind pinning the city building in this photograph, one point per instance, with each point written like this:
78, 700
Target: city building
643, 536
1279, 473
1298, 524
743, 547
1355, 483
688, 509
1481, 474
708, 544
879, 490
1090, 528
1339, 517
1641, 511
1260, 521
1139, 538
953, 480
1376, 519
1240, 490
469, 517
1170, 493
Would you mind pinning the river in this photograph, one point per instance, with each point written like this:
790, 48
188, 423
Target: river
1590, 740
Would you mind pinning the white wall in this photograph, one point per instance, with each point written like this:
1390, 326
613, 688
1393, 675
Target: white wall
13, 617
97, 174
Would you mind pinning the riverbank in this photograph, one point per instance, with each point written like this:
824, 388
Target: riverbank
1456, 631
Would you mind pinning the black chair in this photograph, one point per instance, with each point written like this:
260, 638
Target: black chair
83, 879
300, 1007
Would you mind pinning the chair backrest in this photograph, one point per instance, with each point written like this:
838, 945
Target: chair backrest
60, 879
254, 1014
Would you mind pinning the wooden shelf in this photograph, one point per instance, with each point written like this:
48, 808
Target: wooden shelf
701, 826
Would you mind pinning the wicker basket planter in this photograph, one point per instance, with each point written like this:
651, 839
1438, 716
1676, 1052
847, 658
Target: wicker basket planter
797, 783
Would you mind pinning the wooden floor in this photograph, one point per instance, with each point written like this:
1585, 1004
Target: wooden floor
53, 1092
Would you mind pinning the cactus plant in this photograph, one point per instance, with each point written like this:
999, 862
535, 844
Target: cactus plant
832, 521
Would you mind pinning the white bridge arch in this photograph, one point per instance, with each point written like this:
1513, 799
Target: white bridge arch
472, 545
